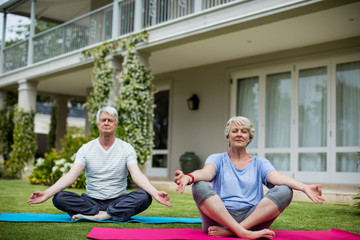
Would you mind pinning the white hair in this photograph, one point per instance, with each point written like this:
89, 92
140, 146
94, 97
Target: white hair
240, 121
110, 110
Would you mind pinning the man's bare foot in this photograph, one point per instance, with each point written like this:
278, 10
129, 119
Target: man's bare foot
217, 231
102, 215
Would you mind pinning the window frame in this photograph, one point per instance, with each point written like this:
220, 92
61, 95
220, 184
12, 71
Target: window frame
261, 71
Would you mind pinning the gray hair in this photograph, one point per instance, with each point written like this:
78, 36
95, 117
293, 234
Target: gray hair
110, 110
240, 121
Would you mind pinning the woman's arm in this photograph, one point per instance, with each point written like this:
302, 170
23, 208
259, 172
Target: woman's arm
313, 191
207, 173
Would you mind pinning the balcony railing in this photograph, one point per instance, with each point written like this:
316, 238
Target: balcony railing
96, 27
76, 34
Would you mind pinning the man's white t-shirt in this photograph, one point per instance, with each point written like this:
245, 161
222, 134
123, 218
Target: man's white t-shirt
106, 171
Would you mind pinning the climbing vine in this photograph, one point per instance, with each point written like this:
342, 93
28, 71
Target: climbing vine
102, 80
135, 100
52, 131
24, 146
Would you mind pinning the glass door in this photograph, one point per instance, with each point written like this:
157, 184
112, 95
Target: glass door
158, 164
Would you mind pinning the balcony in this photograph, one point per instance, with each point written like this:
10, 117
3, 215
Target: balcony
103, 24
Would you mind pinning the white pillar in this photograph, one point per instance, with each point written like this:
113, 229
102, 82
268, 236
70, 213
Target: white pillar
32, 33
198, 5
2, 99
3, 34
116, 20
87, 122
144, 58
116, 64
27, 95
138, 16
61, 117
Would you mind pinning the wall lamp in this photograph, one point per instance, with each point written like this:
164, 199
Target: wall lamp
193, 102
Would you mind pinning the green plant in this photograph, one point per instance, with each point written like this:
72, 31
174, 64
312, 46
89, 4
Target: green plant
52, 131
135, 101
6, 129
102, 80
3, 130
357, 197
55, 164
24, 146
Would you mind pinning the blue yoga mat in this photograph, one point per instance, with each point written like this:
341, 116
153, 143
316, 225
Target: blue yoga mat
44, 217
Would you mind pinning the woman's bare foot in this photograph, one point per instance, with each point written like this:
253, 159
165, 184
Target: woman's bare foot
217, 231
266, 233
102, 215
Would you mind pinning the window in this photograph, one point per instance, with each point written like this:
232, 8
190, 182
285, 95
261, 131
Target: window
278, 110
306, 117
248, 103
312, 112
347, 104
347, 115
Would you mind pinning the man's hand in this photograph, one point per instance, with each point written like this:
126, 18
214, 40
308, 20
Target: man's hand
38, 197
314, 192
163, 198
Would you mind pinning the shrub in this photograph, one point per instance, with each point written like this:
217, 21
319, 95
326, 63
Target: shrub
56, 164
24, 146
357, 197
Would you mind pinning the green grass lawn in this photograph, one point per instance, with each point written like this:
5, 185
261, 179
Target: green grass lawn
298, 216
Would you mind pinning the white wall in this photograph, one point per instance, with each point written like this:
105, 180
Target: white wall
199, 131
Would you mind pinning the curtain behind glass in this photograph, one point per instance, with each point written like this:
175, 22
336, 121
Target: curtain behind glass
312, 107
248, 103
348, 104
278, 110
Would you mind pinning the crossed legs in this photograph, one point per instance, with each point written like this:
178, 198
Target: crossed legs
118, 209
220, 222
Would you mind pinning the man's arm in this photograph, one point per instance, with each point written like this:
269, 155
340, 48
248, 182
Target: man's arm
313, 191
61, 184
143, 182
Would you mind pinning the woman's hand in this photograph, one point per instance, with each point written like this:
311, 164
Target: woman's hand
313, 191
178, 175
181, 180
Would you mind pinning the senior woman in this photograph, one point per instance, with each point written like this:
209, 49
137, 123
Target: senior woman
235, 204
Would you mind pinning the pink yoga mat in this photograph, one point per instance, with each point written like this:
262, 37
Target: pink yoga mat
194, 234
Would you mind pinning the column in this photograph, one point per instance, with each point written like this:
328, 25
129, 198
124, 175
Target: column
61, 117
32, 33
138, 16
87, 122
198, 5
27, 95
116, 64
3, 34
116, 20
2, 99
144, 58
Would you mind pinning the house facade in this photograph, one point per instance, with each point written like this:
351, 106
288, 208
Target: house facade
292, 67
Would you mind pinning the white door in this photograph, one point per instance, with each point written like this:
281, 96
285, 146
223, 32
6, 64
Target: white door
158, 163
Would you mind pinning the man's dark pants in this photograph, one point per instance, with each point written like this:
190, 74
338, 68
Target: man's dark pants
120, 208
